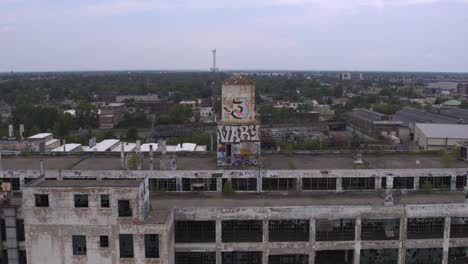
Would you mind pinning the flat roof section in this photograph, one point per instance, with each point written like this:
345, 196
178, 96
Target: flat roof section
179, 200
85, 183
444, 130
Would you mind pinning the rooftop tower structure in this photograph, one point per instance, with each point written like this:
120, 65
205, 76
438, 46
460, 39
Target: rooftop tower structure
238, 130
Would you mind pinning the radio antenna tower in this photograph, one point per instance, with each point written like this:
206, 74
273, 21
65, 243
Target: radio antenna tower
214, 69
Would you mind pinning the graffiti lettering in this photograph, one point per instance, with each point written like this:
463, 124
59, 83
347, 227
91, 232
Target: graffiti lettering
230, 210
242, 110
237, 134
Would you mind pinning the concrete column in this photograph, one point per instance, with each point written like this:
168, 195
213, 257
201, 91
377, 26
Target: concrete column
378, 182
357, 241
264, 257
453, 183
42, 167
312, 231
178, 184
416, 182
218, 241
122, 157
11, 235
402, 241
339, 184
259, 183
265, 231
446, 244
151, 157
219, 185
389, 182
299, 184
312, 256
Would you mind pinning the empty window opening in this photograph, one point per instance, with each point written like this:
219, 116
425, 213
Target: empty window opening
288, 230
424, 255
380, 229
458, 255
358, 183
461, 182
79, 245
15, 183
20, 229
125, 210
279, 184
126, 245
288, 259
242, 231
81, 200
244, 184
198, 184
425, 228
105, 203
151, 246
22, 257
195, 257
459, 227
104, 241
163, 185
4, 257
334, 257
380, 256
335, 230
442, 182
383, 183
3, 229
242, 257
195, 231
318, 184
403, 183
42, 200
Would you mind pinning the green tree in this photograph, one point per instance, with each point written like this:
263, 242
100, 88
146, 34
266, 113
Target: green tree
87, 115
132, 134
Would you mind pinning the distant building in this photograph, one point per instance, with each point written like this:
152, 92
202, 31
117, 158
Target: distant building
410, 116
463, 89
206, 114
111, 115
439, 136
294, 106
345, 76
375, 124
137, 98
38, 142
5, 111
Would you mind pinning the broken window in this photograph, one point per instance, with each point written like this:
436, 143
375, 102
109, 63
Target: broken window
459, 227
424, 255
334, 257
318, 184
242, 257
425, 228
199, 184
380, 256
242, 231
104, 241
126, 245
243, 184
458, 255
403, 183
125, 210
461, 182
361, 183
380, 229
335, 230
279, 184
15, 183
163, 185
436, 182
42, 200
195, 231
151, 246
22, 257
288, 230
4, 257
288, 259
20, 229
81, 200
105, 201
383, 183
79, 245
195, 257
3, 229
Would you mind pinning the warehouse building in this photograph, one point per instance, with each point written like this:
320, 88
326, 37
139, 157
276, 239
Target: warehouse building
374, 124
439, 136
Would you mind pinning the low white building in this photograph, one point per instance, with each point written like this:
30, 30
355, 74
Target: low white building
71, 147
439, 136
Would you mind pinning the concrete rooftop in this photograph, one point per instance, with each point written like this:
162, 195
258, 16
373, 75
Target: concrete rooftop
208, 162
162, 201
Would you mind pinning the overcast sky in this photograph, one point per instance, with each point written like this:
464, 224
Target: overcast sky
389, 35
